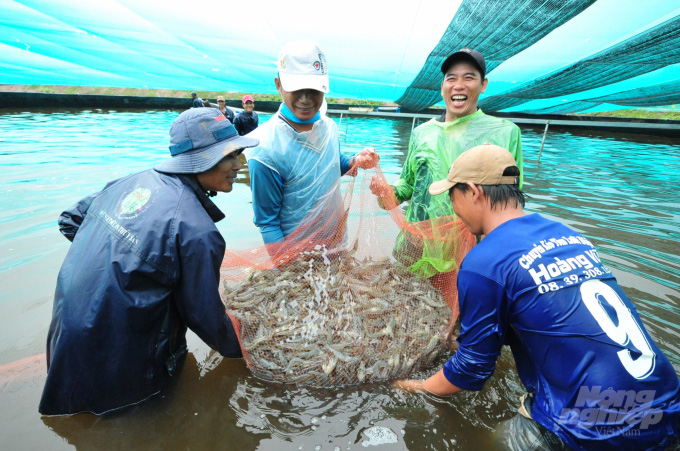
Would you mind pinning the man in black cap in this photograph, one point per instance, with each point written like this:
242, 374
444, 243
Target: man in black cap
433, 147
144, 265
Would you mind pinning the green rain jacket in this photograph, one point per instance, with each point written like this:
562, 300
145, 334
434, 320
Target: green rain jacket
433, 148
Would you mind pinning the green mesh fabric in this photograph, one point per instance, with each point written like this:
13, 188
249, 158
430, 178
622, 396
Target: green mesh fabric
509, 28
649, 96
656, 95
645, 52
433, 148
565, 108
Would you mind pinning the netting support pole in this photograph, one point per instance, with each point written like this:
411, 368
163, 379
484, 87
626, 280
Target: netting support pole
340, 125
547, 123
413, 124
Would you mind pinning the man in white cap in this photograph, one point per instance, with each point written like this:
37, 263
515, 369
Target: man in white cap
596, 379
144, 265
294, 172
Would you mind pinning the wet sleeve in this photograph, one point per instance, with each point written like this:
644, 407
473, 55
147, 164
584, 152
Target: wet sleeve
403, 187
267, 188
197, 293
345, 163
72, 218
482, 325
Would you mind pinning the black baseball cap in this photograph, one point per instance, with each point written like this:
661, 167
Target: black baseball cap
466, 54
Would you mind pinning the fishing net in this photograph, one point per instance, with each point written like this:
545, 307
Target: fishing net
338, 303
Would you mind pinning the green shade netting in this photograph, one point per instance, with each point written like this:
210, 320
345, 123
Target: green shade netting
509, 28
646, 52
541, 55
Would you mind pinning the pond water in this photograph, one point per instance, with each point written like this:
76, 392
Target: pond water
619, 190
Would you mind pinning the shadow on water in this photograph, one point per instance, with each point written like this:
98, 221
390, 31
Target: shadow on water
620, 191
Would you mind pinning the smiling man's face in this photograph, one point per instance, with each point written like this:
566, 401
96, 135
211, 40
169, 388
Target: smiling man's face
461, 88
304, 103
222, 176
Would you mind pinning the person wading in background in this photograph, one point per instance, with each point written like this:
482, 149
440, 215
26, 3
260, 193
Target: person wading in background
197, 102
226, 111
247, 120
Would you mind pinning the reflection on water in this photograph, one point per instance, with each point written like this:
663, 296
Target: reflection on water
624, 196
620, 191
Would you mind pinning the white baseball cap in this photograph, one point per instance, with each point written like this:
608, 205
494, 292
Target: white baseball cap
302, 65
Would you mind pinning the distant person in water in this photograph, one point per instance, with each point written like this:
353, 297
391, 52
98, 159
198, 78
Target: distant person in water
197, 102
143, 267
594, 376
247, 120
226, 112
295, 170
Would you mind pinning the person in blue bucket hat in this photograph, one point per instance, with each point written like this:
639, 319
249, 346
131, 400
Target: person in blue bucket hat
143, 267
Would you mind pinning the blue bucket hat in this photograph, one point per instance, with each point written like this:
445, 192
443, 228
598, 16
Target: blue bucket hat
199, 139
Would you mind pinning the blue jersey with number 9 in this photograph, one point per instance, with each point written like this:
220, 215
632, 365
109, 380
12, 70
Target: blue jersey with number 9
598, 378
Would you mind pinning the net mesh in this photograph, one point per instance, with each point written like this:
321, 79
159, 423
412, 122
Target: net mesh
333, 305
656, 95
645, 52
565, 108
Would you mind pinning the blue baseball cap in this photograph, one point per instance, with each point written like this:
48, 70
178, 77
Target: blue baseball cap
199, 139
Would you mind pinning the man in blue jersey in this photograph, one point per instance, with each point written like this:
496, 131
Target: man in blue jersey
595, 377
294, 172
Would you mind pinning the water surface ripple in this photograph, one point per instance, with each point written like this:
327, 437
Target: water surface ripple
619, 190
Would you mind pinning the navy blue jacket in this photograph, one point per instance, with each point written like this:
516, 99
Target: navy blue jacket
229, 114
144, 265
246, 122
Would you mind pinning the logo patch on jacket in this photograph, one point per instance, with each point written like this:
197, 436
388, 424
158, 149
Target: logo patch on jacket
134, 203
